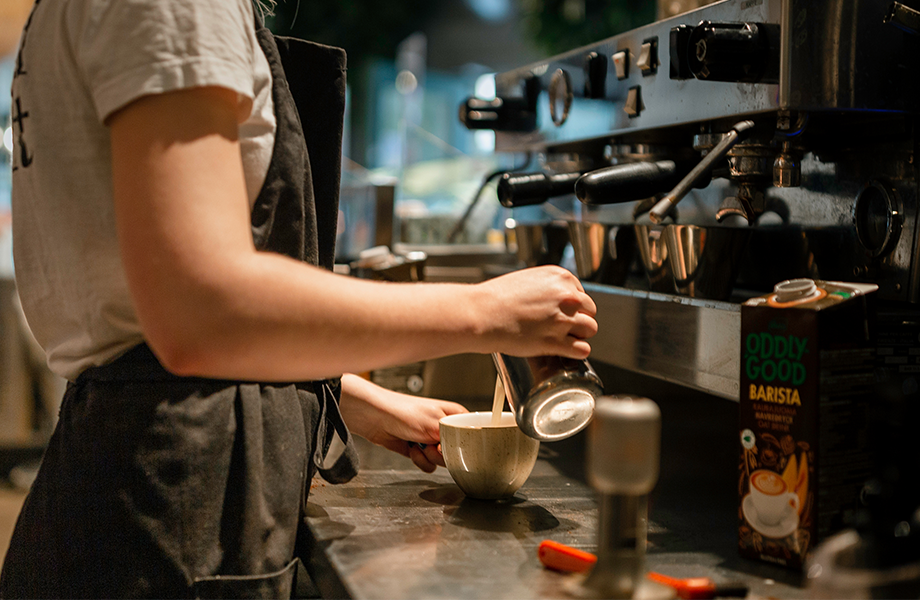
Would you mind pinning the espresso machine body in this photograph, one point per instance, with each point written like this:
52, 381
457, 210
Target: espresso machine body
821, 181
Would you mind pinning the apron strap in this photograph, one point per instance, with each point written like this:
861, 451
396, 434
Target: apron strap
345, 465
297, 209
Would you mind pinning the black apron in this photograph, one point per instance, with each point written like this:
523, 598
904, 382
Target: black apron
158, 486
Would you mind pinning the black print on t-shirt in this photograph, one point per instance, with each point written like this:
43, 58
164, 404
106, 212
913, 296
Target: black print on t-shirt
19, 116
20, 70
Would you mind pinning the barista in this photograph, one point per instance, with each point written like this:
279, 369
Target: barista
174, 230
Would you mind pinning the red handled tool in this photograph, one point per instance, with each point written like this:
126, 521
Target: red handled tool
564, 558
700, 587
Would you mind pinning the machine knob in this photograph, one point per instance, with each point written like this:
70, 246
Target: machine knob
561, 95
737, 52
525, 189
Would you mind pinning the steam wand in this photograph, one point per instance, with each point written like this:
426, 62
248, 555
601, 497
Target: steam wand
738, 132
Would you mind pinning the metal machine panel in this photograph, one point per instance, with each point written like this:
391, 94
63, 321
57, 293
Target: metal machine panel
832, 55
691, 342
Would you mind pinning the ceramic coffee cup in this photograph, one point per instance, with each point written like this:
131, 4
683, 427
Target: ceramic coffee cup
487, 462
772, 499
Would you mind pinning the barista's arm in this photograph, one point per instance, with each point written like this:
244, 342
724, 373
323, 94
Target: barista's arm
210, 304
393, 420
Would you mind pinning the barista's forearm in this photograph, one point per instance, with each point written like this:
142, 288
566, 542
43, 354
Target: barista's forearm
275, 318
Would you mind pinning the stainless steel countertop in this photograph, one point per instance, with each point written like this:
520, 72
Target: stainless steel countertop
396, 532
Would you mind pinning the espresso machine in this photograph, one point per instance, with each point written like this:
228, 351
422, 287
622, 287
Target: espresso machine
701, 159
718, 152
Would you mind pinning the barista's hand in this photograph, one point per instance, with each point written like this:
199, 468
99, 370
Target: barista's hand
540, 311
398, 422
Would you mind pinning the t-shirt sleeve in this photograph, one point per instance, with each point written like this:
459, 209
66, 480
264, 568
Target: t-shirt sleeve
132, 48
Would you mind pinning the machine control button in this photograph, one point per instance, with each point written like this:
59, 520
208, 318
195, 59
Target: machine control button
648, 57
560, 97
595, 75
634, 104
621, 64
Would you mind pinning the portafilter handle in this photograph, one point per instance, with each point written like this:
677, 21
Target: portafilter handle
628, 182
526, 189
737, 133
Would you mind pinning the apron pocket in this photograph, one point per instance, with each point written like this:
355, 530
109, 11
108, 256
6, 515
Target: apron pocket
271, 585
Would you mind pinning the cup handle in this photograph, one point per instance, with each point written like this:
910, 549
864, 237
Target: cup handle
793, 500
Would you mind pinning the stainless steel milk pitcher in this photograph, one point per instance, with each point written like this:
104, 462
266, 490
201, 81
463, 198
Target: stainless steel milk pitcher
552, 397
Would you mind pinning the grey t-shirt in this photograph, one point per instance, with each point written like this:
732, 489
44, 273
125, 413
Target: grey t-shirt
79, 61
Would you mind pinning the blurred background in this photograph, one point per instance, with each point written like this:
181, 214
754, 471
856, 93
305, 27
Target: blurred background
410, 65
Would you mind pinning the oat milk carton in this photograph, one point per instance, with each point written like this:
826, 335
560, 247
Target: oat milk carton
807, 374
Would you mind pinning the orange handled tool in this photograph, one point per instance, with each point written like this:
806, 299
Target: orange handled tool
564, 558
692, 588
